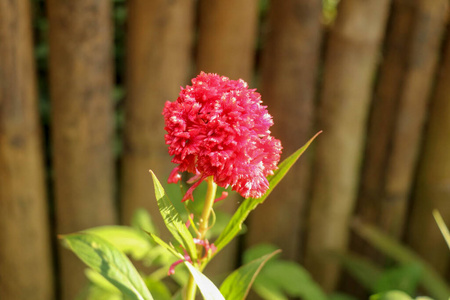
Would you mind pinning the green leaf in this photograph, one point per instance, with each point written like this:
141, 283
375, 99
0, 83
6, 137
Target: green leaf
293, 279
237, 285
126, 239
442, 226
206, 287
173, 220
235, 224
165, 245
363, 270
391, 295
404, 278
98, 280
268, 290
142, 220
158, 288
112, 264
431, 281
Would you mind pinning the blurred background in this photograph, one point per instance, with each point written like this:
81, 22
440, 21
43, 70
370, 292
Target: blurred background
83, 84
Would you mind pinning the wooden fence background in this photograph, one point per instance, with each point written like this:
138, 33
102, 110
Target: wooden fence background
376, 80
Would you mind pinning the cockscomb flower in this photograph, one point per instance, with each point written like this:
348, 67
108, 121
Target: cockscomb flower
218, 127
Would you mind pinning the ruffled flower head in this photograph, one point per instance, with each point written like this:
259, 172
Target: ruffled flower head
218, 127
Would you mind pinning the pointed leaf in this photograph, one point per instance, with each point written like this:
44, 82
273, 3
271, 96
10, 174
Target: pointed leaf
108, 261
206, 287
237, 285
173, 220
165, 245
442, 226
235, 224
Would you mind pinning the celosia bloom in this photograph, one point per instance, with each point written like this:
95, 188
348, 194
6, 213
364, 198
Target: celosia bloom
218, 127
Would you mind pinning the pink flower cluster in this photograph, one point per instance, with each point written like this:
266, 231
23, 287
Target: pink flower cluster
218, 127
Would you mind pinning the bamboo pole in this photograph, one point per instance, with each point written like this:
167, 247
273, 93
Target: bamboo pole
82, 123
289, 73
432, 186
25, 249
428, 28
350, 64
383, 117
227, 37
159, 41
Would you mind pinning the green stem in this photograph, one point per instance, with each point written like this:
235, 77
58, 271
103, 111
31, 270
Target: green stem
202, 230
207, 208
191, 288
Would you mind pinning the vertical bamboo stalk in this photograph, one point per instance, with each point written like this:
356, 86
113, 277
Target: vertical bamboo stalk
349, 69
383, 116
82, 123
289, 73
25, 254
159, 40
432, 187
428, 27
227, 37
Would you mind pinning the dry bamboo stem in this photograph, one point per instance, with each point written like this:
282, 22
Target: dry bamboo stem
349, 69
289, 73
25, 255
82, 123
159, 40
432, 188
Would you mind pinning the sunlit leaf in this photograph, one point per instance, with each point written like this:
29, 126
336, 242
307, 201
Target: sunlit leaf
237, 285
173, 220
442, 227
109, 262
206, 287
126, 239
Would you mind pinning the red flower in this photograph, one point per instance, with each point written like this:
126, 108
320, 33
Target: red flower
218, 127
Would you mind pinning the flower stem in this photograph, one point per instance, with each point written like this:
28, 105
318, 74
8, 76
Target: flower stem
191, 288
202, 230
207, 208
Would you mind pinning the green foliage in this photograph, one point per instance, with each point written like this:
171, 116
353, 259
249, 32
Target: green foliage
430, 279
405, 278
280, 279
173, 220
206, 287
363, 270
110, 263
237, 285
